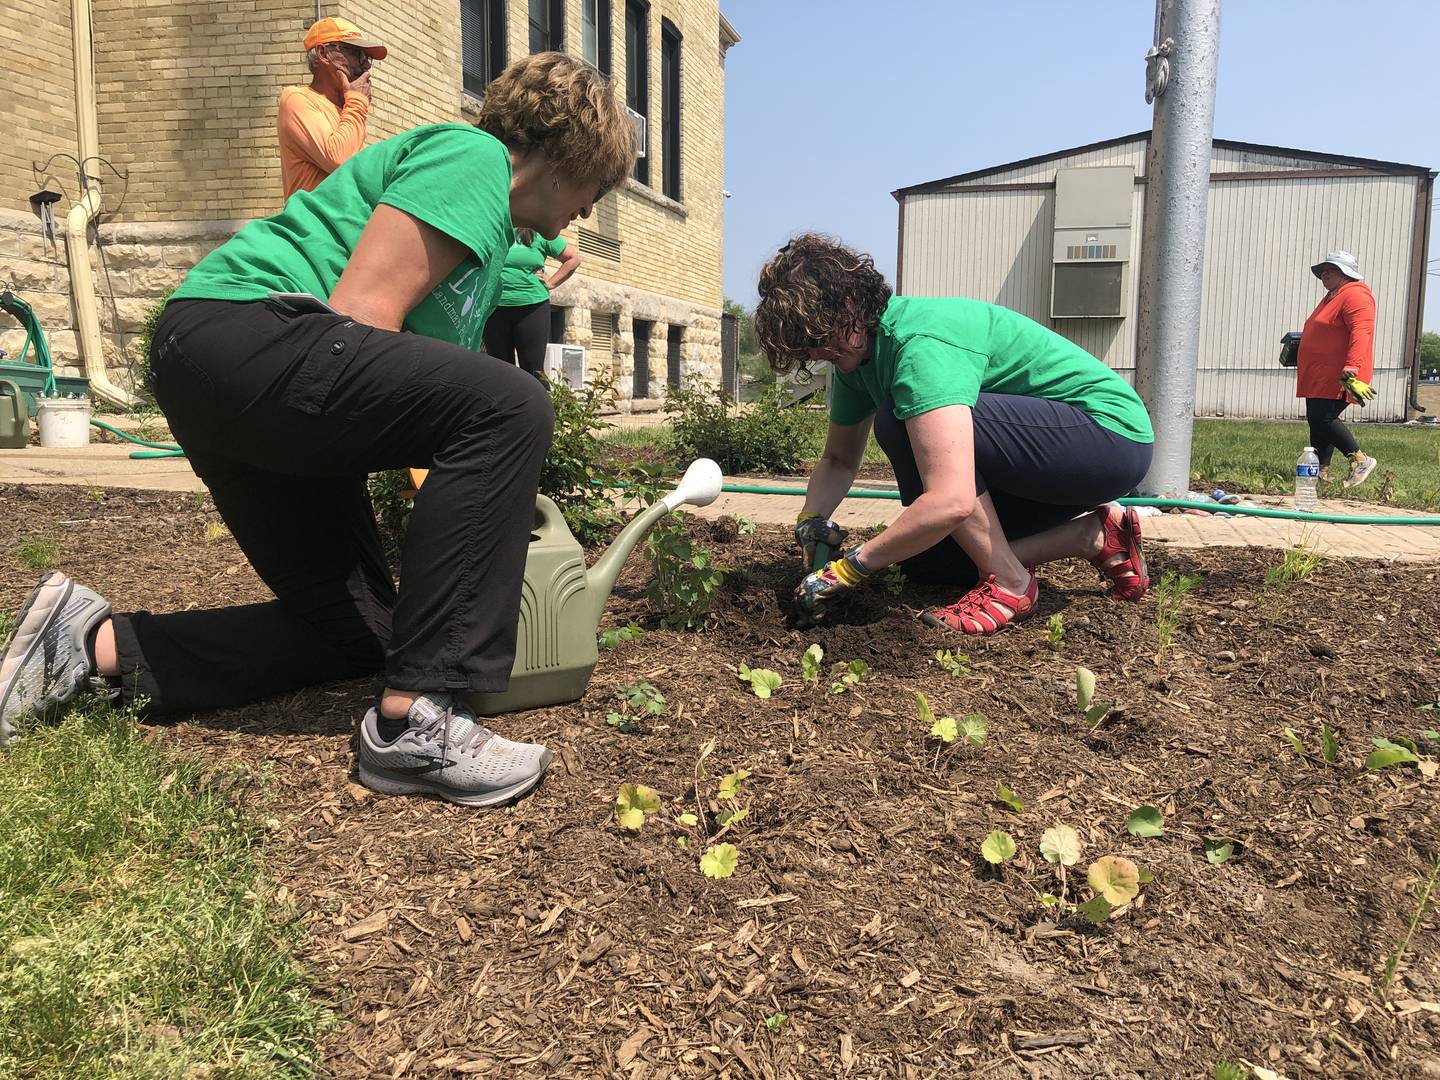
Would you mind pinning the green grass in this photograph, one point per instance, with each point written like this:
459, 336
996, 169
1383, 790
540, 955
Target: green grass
39, 553
1258, 457
136, 940
656, 438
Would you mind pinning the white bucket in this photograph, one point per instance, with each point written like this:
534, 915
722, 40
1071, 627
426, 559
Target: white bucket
63, 422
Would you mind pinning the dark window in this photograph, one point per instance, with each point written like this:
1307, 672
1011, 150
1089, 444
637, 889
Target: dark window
673, 340
547, 25
482, 42
557, 324
637, 72
670, 106
640, 388
595, 34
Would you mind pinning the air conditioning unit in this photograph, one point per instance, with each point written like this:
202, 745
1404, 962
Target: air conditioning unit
638, 120
565, 363
1092, 241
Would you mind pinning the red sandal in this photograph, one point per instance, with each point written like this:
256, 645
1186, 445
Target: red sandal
1129, 579
979, 610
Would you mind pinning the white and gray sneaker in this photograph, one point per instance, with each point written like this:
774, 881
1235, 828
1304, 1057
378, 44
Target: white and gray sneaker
446, 751
46, 663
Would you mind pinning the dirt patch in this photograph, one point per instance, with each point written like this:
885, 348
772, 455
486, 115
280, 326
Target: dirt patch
541, 941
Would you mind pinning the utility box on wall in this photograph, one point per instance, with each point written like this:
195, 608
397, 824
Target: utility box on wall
565, 363
1092, 241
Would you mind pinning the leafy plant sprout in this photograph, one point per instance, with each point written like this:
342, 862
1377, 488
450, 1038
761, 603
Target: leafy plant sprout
1170, 596
1055, 631
952, 663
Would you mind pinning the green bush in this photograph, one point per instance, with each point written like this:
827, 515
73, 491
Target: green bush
766, 437
686, 576
143, 386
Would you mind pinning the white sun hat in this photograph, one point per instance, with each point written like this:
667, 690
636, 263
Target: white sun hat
1343, 261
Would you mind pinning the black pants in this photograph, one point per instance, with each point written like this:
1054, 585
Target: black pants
283, 416
520, 333
1043, 463
1326, 430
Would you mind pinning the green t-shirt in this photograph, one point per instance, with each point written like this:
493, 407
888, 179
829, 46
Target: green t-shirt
930, 353
518, 284
453, 177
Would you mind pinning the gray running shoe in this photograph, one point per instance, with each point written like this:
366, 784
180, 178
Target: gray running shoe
446, 751
46, 663
1360, 471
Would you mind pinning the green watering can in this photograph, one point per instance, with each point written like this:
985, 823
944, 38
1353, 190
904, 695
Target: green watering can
14, 416
561, 602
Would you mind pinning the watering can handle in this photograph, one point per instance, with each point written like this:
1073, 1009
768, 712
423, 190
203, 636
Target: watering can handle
549, 521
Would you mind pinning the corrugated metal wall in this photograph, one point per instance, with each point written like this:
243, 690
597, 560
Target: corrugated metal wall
1262, 237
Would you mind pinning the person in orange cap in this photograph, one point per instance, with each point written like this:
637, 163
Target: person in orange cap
323, 124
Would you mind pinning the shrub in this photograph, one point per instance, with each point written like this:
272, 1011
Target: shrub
686, 576
143, 387
766, 437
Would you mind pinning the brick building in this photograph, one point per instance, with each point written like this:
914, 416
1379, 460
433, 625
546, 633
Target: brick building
181, 111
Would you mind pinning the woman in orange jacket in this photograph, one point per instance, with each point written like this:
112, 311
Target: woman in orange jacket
1337, 362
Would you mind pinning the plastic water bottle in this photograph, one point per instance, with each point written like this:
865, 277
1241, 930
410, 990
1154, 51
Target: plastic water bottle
1307, 476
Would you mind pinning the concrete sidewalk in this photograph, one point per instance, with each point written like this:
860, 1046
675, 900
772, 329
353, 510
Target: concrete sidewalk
110, 465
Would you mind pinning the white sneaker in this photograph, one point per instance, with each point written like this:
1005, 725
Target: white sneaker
446, 751
46, 663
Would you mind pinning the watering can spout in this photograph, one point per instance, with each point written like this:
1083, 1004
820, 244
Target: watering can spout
700, 486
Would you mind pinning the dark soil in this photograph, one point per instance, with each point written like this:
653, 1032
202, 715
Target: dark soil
541, 940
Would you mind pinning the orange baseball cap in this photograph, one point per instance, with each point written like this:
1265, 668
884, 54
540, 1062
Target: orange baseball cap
328, 31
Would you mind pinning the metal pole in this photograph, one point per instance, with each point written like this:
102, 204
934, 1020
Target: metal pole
1181, 81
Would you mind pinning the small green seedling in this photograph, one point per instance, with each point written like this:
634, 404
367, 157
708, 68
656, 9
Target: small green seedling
1218, 849
892, 579
1009, 798
1060, 844
632, 804
1229, 1070
953, 663
847, 676
719, 860
998, 848
942, 728
40, 553
1055, 631
612, 638
810, 664
1298, 564
775, 1022
1085, 696
1329, 744
730, 783
1389, 752
95, 494
1116, 881
763, 682
1145, 821
641, 697
215, 530
1170, 596
1294, 741
975, 728
1392, 964
743, 525
622, 722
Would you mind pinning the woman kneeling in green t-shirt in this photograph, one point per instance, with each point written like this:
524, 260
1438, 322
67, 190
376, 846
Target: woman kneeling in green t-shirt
1008, 441
341, 337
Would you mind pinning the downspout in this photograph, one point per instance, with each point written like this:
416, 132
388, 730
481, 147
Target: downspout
77, 224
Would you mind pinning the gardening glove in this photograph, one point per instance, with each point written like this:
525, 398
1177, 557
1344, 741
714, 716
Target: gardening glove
1360, 391
838, 576
812, 529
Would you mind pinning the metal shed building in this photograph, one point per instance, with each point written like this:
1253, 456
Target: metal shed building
1057, 238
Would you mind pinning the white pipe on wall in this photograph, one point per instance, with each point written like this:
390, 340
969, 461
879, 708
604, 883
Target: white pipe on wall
77, 224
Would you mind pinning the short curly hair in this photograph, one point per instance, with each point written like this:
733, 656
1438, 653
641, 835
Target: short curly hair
565, 108
811, 287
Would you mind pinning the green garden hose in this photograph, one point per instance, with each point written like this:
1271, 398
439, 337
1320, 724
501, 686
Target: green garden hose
1179, 504
157, 450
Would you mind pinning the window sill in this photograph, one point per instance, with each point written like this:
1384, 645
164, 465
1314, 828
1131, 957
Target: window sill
470, 105
651, 195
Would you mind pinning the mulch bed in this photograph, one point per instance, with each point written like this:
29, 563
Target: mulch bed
541, 940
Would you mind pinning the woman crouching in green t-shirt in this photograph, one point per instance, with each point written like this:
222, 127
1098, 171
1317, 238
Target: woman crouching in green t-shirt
520, 328
284, 403
1008, 441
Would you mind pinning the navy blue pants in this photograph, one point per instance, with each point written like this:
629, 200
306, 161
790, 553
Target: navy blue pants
1043, 463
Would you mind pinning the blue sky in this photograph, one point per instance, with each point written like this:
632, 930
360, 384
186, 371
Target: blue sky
830, 106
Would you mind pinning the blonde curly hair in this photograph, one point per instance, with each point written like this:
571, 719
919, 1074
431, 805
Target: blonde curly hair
565, 108
813, 286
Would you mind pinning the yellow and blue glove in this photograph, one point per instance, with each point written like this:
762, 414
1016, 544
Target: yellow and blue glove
812, 529
838, 576
1360, 391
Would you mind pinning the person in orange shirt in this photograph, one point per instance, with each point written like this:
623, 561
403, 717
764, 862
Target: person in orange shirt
323, 124
1337, 362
